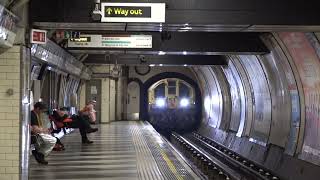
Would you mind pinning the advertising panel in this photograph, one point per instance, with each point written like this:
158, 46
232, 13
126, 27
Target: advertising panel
308, 66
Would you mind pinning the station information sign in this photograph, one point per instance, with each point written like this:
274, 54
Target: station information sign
111, 41
133, 12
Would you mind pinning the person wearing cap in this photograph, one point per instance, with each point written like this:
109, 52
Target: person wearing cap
89, 111
37, 128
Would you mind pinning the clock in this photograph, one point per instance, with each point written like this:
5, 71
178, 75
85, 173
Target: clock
142, 70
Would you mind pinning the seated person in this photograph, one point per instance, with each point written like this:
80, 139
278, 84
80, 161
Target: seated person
88, 112
37, 128
74, 121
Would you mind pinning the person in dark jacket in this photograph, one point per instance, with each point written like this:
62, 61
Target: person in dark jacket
37, 128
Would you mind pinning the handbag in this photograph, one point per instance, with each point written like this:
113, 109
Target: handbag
38, 141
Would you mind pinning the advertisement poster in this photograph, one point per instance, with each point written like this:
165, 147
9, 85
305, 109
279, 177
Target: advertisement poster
308, 65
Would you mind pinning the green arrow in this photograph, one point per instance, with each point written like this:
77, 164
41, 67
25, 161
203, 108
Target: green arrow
109, 11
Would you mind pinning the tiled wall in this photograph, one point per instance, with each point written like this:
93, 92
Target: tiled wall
9, 113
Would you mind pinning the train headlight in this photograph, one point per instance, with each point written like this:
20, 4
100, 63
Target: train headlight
184, 102
160, 102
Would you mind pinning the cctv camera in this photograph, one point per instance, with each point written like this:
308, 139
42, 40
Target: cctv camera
96, 15
142, 59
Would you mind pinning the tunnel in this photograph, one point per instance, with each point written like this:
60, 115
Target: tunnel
173, 104
184, 89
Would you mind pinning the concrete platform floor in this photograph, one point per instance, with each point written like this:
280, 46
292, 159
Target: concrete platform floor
122, 150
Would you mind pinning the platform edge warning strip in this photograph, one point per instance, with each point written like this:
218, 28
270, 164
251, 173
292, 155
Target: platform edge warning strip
169, 165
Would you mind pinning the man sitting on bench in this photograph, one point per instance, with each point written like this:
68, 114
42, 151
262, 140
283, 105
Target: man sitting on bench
75, 121
37, 128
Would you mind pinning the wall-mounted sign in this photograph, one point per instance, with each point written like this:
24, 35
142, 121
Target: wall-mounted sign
38, 36
111, 41
127, 11
131, 41
133, 12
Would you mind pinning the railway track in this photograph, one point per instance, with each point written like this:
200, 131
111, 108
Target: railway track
218, 162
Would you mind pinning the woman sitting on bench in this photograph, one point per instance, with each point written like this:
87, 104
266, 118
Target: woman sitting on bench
75, 121
88, 112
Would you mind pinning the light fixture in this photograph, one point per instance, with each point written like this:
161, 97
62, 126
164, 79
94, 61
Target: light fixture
185, 65
186, 28
161, 53
160, 64
184, 52
184, 102
152, 65
160, 102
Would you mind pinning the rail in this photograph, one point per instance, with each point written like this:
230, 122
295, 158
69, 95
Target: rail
234, 159
209, 166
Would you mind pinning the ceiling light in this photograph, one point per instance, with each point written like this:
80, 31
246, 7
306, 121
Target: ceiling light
186, 28
160, 64
152, 65
184, 52
161, 53
185, 65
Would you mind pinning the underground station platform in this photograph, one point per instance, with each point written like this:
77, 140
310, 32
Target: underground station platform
121, 150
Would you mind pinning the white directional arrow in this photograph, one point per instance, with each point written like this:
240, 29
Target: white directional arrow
109, 11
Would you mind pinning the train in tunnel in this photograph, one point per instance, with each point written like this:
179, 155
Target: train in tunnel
172, 106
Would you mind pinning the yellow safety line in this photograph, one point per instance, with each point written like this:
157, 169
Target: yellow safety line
171, 166
169, 163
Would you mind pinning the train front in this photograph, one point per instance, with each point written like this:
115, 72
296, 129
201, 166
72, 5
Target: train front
172, 106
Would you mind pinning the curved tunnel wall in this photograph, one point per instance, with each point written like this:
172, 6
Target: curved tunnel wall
268, 109
238, 99
286, 109
260, 127
211, 97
